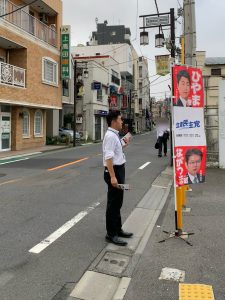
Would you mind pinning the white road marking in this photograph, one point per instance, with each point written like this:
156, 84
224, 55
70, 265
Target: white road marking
12, 161
63, 229
22, 155
144, 165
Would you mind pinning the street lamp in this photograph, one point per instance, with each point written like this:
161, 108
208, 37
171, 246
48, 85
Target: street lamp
144, 40
159, 40
161, 20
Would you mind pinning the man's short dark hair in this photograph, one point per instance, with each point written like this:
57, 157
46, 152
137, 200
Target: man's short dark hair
193, 151
113, 115
183, 73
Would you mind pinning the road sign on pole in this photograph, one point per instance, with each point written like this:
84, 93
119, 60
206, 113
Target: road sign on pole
155, 21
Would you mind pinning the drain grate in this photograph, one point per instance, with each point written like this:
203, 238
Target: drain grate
113, 263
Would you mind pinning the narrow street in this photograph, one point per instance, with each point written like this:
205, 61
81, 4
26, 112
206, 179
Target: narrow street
43, 254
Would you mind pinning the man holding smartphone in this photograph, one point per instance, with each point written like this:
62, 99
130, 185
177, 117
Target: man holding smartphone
114, 174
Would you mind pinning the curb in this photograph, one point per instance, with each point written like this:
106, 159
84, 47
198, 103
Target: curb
109, 276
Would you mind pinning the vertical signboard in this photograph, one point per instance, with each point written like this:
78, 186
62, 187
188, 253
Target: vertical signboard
162, 64
65, 52
189, 131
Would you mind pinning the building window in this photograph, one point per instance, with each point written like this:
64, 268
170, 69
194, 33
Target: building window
216, 72
140, 88
26, 123
38, 123
49, 71
140, 71
65, 86
115, 77
113, 33
99, 95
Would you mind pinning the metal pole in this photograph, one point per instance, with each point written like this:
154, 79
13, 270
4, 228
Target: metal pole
75, 104
173, 47
172, 33
130, 125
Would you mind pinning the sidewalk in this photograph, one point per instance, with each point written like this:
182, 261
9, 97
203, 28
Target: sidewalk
203, 262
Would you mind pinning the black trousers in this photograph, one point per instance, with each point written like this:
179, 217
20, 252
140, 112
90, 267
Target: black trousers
114, 201
162, 144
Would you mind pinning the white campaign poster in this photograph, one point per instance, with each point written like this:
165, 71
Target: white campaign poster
189, 126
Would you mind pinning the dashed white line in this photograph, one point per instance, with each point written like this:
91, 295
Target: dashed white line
144, 165
63, 229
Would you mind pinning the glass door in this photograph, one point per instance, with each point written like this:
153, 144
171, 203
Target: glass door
5, 132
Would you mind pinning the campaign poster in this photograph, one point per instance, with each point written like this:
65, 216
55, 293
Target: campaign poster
187, 87
189, 128
190, 164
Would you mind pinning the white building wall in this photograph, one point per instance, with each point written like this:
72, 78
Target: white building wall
222, 124
99, 70
122, 53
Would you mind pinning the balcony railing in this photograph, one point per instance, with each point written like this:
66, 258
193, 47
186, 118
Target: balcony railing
28, 23
12, 75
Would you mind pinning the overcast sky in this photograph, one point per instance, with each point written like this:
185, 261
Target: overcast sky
210, 23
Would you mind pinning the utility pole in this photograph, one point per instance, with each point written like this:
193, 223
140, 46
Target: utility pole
130, 123
75, 103
189, 32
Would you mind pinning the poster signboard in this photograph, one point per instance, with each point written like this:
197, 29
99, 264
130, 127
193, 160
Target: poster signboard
188, 126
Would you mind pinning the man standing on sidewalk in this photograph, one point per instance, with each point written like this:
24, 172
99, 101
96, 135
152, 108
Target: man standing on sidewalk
114, 174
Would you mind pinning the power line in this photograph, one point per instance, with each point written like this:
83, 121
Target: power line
19, 8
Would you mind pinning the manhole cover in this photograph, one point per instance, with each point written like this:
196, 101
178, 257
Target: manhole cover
113, 263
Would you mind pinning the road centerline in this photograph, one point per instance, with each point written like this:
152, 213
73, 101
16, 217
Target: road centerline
68, 164
144, 165
63, 229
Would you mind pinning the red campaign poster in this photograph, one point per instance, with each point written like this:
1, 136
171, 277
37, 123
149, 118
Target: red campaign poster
190, 164
113, 101
188, 87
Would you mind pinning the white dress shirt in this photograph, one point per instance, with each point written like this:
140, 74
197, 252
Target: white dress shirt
194, 179
112, 148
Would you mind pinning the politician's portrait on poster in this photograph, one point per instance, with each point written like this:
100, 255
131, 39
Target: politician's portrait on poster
188, 87
190, 164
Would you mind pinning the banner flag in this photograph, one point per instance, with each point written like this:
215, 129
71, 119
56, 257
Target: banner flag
188, 126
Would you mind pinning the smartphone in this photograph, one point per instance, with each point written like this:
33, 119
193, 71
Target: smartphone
127, 136
125, 187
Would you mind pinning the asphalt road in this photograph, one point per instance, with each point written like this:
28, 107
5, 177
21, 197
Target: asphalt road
40, 195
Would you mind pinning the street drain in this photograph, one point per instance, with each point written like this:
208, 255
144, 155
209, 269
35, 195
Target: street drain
112, 262
2, 175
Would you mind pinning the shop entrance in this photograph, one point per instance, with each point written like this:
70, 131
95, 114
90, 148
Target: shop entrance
5, 131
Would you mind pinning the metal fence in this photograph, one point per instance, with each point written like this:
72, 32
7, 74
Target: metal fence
12, 75
28, 23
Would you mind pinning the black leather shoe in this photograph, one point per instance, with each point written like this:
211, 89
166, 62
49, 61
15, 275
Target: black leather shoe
125, 234
115, 240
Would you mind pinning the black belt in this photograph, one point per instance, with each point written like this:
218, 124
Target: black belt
117, 166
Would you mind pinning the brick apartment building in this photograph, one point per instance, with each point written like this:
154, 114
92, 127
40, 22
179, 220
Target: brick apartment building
30, 87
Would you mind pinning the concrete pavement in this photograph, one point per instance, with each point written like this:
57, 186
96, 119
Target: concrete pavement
38, 204
203, 263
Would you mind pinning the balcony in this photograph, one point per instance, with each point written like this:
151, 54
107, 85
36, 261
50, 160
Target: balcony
12, 75
28, 23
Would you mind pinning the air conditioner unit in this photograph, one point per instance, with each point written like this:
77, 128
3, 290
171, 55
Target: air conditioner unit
44, 18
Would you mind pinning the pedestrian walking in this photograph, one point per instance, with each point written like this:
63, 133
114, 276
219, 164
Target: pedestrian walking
162, 137
114, 162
